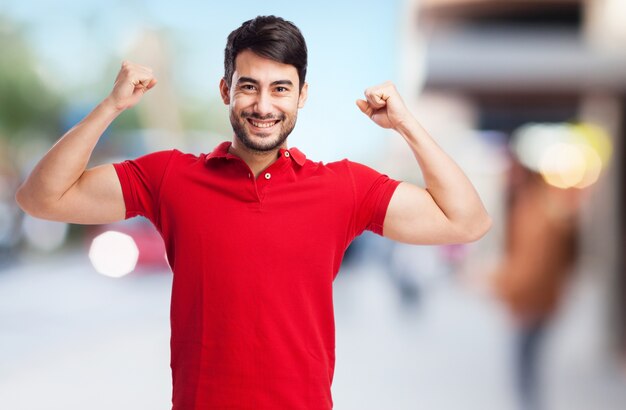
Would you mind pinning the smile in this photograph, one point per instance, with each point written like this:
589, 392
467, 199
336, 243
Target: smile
262, 124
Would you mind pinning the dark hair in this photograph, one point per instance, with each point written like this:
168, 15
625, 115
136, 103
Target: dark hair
270, 37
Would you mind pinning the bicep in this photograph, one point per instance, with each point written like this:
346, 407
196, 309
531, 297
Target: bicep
414, 217
95, 198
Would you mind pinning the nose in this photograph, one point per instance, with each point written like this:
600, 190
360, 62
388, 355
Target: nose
263, 105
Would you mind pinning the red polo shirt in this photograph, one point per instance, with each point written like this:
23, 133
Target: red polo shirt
253, 261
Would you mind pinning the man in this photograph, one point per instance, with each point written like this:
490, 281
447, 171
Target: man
254, 231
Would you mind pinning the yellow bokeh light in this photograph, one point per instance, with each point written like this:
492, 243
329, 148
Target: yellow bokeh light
593, 166
565, 155
597, 139
562, 165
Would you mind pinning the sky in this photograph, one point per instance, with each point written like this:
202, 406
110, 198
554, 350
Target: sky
352, 45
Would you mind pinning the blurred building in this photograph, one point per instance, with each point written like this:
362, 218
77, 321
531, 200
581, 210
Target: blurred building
480, 69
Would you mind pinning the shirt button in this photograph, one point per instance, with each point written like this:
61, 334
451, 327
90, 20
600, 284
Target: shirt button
268, 175
287, 153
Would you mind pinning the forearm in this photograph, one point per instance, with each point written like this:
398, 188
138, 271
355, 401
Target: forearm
445, 181
66, 161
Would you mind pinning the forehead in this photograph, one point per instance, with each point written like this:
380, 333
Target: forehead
249, 64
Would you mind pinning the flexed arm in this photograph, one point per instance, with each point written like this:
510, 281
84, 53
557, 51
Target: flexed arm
59, 188
449, 209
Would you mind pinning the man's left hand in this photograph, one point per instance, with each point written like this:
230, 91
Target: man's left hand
384, 106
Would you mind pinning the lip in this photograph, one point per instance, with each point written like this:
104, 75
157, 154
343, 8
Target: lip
270, 128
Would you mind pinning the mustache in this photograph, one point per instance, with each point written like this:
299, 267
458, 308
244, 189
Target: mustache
257, 116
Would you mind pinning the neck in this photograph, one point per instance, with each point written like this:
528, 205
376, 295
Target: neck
258, 161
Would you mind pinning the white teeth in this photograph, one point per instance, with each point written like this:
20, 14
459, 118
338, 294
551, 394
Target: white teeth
263, 124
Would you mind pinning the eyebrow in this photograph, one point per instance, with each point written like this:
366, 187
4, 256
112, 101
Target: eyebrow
253, 81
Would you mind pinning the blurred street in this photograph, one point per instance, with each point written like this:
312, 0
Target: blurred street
528, 97
73, 339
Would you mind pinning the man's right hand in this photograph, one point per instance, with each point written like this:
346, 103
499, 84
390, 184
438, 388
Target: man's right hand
59, 188
131, 83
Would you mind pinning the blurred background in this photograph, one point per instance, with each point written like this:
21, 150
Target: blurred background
528, 96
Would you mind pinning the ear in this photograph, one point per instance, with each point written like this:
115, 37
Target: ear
303, 95
224, 91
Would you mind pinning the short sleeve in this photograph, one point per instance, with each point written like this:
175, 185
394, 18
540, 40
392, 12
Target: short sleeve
141, 181
373, 192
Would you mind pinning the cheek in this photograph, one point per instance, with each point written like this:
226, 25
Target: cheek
288, 107
241, 102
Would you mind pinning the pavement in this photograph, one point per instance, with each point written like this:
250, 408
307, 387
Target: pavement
73, 339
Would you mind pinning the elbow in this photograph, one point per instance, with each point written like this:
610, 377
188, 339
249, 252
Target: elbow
476, 229
28, 203
472, 230
21, 199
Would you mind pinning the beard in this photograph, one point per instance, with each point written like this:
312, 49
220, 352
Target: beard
265, 142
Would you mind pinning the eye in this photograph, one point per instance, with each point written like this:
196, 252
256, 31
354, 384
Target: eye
247, 87
281, 89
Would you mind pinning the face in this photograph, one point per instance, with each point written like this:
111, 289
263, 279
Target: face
263, 101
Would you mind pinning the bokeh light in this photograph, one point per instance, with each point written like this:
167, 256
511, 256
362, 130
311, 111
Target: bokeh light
113, 254
566, 155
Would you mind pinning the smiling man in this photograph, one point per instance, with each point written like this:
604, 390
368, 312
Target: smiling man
263, 106
255, 232
261, 128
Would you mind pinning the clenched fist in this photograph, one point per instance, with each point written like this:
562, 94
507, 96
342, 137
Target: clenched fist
131, 83
384, 106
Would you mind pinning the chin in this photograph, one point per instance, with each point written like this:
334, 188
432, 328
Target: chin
261, 143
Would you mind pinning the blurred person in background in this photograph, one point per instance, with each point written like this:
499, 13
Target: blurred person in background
540, 253
255, 232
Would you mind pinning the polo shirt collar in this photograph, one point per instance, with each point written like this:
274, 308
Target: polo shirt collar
298, 157
221, 151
